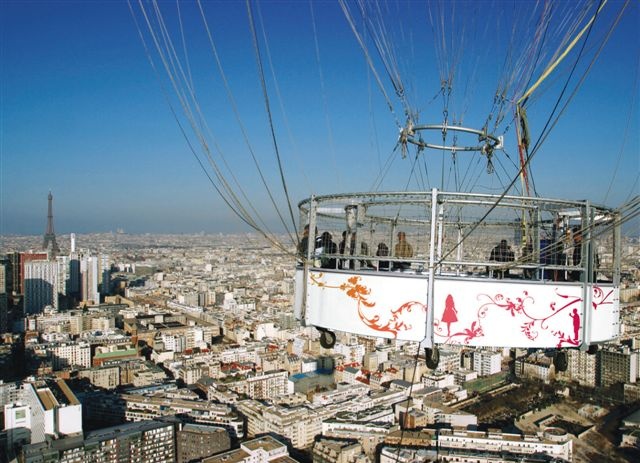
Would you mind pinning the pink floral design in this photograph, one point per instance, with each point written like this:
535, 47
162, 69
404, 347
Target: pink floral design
527, 329
564, 339
467, 334
600, 298
531, 325
515, 306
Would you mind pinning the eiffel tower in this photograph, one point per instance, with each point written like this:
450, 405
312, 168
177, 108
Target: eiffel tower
50, 236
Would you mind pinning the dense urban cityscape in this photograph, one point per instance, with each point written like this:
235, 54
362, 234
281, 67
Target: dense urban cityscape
163, 348
420, 231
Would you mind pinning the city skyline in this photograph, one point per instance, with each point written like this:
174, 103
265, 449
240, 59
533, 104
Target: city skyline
225, 328
85, 116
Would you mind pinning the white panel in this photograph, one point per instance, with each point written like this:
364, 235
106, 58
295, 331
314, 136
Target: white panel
511, 313
298, 293
482, 313
384, 304
605, 324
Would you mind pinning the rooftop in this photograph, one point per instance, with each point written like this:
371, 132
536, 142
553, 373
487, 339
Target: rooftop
633, 419
202, 428
123, 429
266, 443
284, 459
116, 353
233, 456
55, 393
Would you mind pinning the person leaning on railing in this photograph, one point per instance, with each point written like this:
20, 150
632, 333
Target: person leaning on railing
502, 253
402, 249
325, 247
382, 251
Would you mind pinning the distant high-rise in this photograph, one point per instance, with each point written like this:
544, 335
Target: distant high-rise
618, 364
23, 258
89, 278
3, 277
4, 301
14, 273
105, 274
49, 236
40, 285
73, 282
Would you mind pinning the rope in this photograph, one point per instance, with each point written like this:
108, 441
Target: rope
237, 115
285, 118
550, 69
180, 126
323, 90
626, 132
173, 66
175, 63
274, 140
543, 137
347, 13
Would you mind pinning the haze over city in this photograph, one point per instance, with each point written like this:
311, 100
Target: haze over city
85, 115
322, 231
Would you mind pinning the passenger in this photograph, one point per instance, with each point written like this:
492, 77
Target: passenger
303, 246
402, 249
364, 251
502, 253
326, 247
383, 251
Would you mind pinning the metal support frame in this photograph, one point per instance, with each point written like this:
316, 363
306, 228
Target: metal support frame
617, 249
360, 205
440, 226
311, 241
371, 211
587, 273
432, 274
491, 141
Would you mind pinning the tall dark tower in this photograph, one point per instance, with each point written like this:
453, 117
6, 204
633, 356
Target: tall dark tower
50, 236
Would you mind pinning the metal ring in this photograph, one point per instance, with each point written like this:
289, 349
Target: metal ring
491, 142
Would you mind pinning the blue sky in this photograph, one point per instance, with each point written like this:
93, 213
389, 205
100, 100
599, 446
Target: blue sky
84, 115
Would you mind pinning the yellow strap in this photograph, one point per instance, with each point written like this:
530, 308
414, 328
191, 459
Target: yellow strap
562, 56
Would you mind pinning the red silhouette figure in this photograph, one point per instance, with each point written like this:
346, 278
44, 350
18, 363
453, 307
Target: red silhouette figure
450, 314
576, 324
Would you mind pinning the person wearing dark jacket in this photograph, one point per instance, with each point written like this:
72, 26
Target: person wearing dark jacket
325, 247
502, 253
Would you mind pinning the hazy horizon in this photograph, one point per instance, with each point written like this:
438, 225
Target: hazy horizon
85, 115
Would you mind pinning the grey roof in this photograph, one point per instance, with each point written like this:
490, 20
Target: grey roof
122, 430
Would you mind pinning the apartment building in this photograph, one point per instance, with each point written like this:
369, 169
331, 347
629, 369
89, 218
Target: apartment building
140, 408
196, 441
327, 450
617, 365
582, 367
268, 385
142, 442
300, 424
554, 442
264, 449
69, 354
486, 362
40, 409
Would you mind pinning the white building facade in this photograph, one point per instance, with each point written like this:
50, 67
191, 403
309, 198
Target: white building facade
40, 285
